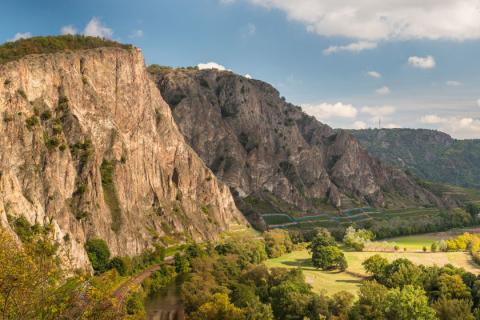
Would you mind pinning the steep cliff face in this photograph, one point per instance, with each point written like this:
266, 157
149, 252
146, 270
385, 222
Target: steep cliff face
429, 154
271, 153
87, 143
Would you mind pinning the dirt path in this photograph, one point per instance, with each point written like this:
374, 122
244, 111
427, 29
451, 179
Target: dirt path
121, 292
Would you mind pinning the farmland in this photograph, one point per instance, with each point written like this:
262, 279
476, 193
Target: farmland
334, 281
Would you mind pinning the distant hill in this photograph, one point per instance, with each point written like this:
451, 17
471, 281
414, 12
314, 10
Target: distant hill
429, 154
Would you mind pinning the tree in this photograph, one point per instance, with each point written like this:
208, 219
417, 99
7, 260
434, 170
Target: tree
98, 253
408, 303
182, 265
453, 309
340, 304
325, 253
453, 287
371, 302
122, 264
277, 243
376, 265
402, 272
328, 258
357, 239
218, 307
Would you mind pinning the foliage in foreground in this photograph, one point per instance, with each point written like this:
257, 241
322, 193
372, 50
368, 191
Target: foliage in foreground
33, 286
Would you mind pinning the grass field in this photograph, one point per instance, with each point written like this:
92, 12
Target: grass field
416, 242
334, 281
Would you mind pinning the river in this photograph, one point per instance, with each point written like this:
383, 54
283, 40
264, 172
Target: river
166, 305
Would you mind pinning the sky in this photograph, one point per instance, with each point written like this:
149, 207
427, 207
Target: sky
350, 63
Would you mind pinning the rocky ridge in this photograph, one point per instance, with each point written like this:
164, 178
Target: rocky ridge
88, 144
273, 156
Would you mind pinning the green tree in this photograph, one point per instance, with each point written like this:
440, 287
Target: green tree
277, 243
122, 264
453, 309
98, 253
325, 253
408, 303
218, 307
182, 265
290, 298
329, 257
376, 266
357, 239
371, 302
453, 287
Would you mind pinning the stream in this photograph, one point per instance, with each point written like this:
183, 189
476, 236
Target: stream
166, 305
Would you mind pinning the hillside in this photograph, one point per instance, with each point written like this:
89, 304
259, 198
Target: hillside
88, 144
428, 154
274, 157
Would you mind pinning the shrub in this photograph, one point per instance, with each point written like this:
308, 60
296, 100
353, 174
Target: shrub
31, 122
134, 305
122, 264
11, 51
98, 253
46, 115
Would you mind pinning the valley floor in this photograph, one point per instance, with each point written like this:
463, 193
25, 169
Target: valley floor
335, 281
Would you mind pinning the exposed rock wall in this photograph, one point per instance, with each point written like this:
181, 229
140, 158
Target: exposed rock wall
87, 142
264, 147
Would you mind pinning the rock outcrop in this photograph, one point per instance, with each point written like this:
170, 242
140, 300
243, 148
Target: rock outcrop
88, 144
271, 154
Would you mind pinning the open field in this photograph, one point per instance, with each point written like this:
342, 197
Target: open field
417, 242
334, 281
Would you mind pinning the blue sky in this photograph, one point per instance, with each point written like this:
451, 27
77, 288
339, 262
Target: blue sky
348, 62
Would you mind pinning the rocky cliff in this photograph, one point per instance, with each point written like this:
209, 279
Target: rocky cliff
88, 144
429, 154
271, 154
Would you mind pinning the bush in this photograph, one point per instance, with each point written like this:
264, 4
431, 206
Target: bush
32, 122
98, 253
122, 264
134, 304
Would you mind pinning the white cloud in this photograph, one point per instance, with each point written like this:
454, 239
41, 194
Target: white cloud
70, 29
352, 47
432, 119
325, 111
452, 83
211, 65
95, 28
478, 102
136, 34
427, 62
248, 76
459, 127
21, 35
376, 20
383, 90
359, 125
374, 74
379, 111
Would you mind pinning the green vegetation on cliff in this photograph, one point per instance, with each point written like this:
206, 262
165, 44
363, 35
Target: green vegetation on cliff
37, 45
428, 154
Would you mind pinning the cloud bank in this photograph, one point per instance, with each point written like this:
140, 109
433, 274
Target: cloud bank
376, 20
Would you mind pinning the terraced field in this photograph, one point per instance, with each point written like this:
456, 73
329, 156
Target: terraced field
346, 217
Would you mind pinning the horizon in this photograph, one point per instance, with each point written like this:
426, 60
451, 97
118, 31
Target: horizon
348, 69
